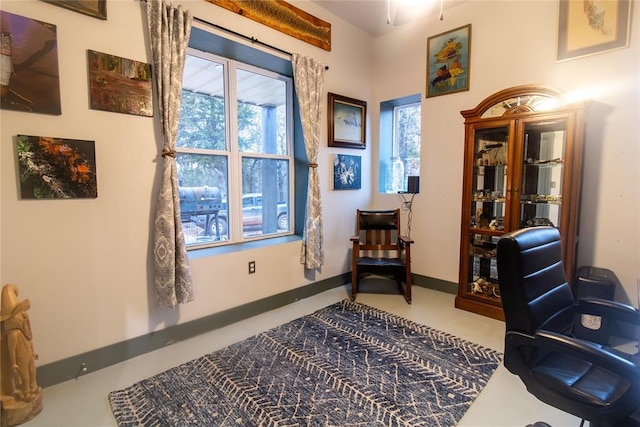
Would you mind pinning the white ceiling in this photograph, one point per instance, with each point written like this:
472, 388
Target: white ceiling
371, 15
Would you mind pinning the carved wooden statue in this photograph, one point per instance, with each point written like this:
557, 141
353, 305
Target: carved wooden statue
21, 396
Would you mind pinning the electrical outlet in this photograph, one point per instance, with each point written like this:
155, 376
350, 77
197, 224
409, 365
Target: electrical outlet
252, 267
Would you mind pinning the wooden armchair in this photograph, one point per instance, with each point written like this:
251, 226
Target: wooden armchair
379, 248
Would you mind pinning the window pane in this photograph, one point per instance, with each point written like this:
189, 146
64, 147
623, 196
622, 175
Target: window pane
202, 114
265, 200
262, 124
406, 159
203, 197
218, 152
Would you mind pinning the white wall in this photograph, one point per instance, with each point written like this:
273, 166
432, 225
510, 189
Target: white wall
85, 264
514, 43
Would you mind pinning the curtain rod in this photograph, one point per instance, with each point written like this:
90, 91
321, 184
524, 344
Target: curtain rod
251, 39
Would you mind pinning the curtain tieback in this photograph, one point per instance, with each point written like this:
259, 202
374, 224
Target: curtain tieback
312, 165
170, 153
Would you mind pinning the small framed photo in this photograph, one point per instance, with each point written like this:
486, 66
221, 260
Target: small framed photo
586, 27
346, 172
95, 8
347, 122
448, 61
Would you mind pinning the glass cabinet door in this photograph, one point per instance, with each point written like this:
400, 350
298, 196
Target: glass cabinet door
488, 208
543, 161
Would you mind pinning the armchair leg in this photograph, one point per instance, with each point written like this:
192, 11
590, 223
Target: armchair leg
407, 297
354, 285
407, 294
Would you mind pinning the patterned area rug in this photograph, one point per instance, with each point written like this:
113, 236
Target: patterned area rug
344, 365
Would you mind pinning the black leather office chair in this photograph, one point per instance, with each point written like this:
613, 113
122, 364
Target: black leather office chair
590, 380
379, 247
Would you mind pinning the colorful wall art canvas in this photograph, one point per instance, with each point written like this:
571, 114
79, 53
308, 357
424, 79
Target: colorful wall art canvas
448, 62
56, 168
346, 172
120, 85
29, 77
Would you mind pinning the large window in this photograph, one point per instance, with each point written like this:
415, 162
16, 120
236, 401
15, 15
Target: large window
399, 143
234, 151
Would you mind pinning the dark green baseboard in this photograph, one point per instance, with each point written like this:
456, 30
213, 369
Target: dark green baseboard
72, 367
437, 284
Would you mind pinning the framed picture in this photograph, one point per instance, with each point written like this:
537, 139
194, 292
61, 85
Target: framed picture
347, 120
56, 168
120, 85
586, 27
448, 61
346, 172
95, 8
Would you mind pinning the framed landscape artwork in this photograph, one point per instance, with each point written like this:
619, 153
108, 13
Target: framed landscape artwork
56, 168
120, 85
586, 27
347, 122
448, 62
29, 76
346, 172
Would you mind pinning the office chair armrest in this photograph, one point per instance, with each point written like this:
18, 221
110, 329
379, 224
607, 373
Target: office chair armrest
405, 240
588, 351
609, 309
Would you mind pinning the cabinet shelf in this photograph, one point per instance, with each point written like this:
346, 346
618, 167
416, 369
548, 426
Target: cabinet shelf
487, 200
478, 167
541, 202
522, 169
545, 163
486, 231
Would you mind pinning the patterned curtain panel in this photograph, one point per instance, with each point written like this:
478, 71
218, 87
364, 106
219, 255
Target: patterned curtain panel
308, 77
169, 30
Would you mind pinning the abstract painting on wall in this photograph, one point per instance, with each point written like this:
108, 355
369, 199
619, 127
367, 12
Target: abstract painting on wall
346, 172
120, 85
29, 77
56, 168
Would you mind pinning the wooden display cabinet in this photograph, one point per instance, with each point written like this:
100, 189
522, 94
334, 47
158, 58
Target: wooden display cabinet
522, 168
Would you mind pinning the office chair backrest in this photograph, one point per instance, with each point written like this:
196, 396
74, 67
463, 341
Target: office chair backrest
533, 285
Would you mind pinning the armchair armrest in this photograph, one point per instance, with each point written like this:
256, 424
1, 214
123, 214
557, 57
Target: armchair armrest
609, 309
355, 239
405, 240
